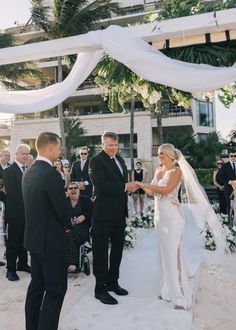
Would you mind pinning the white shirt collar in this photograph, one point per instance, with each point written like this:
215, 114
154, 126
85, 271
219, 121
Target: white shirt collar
4, 166
19, 164
44, 159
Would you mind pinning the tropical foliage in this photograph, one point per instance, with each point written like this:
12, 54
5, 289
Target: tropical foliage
68, 18
12, 75
74, 134
120, 85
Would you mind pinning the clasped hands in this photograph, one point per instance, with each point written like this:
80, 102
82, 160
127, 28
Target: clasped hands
133, 186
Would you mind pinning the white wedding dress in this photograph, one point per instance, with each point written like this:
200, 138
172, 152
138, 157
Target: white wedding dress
169, 222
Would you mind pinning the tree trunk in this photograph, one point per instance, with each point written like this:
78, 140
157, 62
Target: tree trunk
132, 135
60, 108
159, 128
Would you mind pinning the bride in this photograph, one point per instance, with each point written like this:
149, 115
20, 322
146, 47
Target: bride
170, 222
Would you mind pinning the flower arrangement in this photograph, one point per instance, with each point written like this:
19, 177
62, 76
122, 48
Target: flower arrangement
230, 232
130, 237
136, 222
143, 220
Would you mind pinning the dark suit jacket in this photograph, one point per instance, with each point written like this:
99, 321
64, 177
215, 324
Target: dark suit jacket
110, 198
45, 209
1, 172
12, 177
226, 174
78, 175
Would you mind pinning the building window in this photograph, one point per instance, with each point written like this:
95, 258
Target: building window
205, 114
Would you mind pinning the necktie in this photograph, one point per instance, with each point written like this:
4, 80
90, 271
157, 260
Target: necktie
234, 168
23, 168
114, 161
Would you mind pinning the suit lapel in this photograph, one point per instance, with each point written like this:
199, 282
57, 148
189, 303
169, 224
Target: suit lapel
17, 169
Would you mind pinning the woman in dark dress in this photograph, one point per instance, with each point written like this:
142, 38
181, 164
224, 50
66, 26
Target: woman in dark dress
79, 212
138, 195
220, 187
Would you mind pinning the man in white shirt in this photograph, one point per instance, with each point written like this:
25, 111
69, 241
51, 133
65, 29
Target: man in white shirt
15, 216
79, 173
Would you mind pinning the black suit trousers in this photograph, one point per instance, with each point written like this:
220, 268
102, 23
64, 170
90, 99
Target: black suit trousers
15, 248
46, 291
105, 266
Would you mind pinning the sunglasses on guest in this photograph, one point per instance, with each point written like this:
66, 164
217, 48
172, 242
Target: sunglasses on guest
219, 163
232, 156
83, 154
73, 188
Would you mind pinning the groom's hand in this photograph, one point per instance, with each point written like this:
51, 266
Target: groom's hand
131, 186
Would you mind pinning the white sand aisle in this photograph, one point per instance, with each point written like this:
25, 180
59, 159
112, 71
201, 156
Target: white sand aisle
215, 308
140, 310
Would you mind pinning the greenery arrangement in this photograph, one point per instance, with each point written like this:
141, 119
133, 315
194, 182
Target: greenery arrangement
230, 232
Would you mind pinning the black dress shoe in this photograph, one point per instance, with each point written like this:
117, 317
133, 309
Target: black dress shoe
25, 268
117, 289
106, 298
12, 276
2, 263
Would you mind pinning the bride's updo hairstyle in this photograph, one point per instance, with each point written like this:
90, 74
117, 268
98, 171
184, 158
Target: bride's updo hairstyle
170, 151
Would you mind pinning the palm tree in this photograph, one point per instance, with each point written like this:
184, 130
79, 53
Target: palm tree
11, 75
69, 18
116, 80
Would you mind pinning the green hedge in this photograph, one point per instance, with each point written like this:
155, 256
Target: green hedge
205, 176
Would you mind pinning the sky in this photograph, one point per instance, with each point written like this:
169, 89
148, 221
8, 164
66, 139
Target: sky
19, 11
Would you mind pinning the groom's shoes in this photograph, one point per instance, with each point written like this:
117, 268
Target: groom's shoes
106, 298
117, 289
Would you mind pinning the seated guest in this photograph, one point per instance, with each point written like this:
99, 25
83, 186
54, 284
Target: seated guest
79, 212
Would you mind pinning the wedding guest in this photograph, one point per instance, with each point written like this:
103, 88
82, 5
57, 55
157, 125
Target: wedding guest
79, 212
80, 172
64, 175
139, 175
46, 222
16, 254
226, 175
220, 186
109, 176
4, 163
29, 161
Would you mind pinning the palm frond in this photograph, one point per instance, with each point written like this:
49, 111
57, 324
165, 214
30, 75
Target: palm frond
207, 54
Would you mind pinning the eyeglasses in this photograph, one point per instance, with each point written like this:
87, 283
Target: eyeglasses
72, 188
83, 153
232, 156
219, 163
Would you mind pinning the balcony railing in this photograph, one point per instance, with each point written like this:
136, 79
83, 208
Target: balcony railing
88, 83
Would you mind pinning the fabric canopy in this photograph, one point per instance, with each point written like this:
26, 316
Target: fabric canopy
136, 54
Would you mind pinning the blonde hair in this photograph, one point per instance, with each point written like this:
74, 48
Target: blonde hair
170, 150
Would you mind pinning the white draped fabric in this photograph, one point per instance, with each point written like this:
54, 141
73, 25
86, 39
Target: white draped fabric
136, 54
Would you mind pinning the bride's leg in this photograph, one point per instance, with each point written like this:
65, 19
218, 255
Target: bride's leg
179, 307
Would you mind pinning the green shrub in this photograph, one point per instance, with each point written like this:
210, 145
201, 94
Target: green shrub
205, 176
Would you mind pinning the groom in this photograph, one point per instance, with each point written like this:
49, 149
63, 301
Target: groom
109, 176
46, 221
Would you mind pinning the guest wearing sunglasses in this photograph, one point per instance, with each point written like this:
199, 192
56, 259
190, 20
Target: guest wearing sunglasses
227, 175
79, 173
79, 213
220, 186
